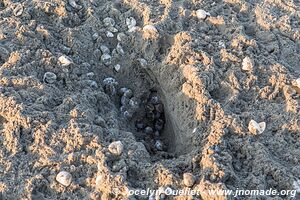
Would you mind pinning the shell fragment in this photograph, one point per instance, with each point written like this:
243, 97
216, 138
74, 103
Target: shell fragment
256, 128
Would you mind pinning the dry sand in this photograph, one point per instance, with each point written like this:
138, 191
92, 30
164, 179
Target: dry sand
195, 65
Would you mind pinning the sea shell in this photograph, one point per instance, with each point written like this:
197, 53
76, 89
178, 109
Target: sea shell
106, 59
116, 148
121, 37
119, 49
104, 49
109, 22
112, 29
64, 178
158, 145
202, 14
18, 10
256, 128
74, 4
298, 82
188, 179
109, 34
65, 60
117, 67
143, 62
130, 22
110, 80
247, 64
148, 130
49, 77
150, 28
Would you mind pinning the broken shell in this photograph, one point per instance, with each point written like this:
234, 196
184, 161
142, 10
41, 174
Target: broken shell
256, 128
116, 148
49, 77
158, 145
106, 59
18, 10
93, 84
109, 34
64, 178
150, 28
247, 64
124, 100
74, 4
104, 49
109, 22
65, 60
133, 29
120, 49
188, 179
117, 67
133, 103
130, 22
202, 14
148, 130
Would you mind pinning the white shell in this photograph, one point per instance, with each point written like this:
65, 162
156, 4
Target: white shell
109, 22
158, 145
247, 64
121, 36
49, 77
296, 185
298, 82
149, 28
95, 36
120, 49
116, 148
202, 14
100, 180
109, 34
65, 60
74, 4
64, 178
106, 59
18, 10
110, 80
143, 62
132, 29
117, 67
130, 22
256, 128
188, 179
104, 49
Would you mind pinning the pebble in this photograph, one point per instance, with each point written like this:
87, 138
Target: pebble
65, 60
49, 77
74, 4
106, 59
158, 145
188, 179
64, 178
202, 14
18, 10
109, 22
247, 64
256, 128
116, 148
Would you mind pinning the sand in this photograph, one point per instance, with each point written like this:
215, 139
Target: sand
67, 121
